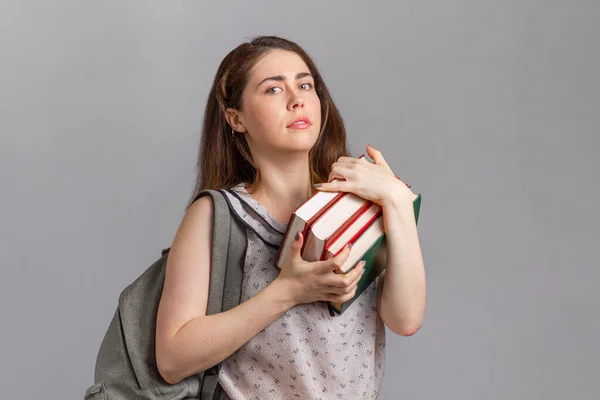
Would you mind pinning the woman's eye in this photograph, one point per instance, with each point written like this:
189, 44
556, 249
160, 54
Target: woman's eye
307, 85
273, 90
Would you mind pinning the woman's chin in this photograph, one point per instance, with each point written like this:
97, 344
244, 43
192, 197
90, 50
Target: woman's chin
301, 141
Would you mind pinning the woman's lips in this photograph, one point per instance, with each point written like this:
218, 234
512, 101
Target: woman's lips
301, 122
299, 125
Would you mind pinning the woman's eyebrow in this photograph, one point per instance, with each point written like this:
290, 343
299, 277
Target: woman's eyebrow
280, 78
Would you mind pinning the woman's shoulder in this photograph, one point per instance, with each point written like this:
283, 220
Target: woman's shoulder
198, 219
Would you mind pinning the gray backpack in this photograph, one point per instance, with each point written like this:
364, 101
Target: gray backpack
126, 364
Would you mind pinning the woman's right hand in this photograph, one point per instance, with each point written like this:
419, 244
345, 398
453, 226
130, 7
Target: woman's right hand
307, 282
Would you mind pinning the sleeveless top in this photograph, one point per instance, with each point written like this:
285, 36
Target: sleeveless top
305, 353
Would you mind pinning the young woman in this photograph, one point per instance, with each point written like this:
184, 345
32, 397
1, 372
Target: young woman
271, 134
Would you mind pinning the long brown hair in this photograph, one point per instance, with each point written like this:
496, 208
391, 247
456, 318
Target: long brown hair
225, 160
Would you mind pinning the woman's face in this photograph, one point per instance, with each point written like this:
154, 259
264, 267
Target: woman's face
280, 90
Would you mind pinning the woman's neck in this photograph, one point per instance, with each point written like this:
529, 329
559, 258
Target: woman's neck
282, 189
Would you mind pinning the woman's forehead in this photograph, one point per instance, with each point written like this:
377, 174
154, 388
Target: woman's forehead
278, 62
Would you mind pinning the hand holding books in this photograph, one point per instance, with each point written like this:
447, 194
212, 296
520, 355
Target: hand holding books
306, 282
374, 181
349, 210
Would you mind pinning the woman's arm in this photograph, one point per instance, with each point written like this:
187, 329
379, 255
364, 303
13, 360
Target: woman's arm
187, 340
401, 301
402, 294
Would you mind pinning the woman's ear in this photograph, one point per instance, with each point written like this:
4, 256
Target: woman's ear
234, 118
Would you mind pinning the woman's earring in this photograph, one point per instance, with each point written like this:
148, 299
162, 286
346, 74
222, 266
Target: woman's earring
232, 132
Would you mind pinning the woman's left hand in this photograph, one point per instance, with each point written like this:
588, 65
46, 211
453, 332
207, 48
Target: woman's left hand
372, 181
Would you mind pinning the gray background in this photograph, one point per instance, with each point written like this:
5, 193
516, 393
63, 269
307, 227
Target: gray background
490, 109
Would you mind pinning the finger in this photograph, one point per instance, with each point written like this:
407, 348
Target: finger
354, 163
340, 290
360, 271
340, 298
334, 176
335, 186
342, 171
297, 245
376, 156
348, 279
336, 262
349, 160
345, 282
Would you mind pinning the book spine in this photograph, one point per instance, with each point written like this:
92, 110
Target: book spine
324, 208
342, 228
312, 248
328, 254
327, 242
285, 241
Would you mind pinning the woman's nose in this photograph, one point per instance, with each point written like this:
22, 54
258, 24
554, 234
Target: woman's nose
296, 102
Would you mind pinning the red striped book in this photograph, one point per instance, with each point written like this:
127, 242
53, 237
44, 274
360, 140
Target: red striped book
331, 224
351, 231
302, 218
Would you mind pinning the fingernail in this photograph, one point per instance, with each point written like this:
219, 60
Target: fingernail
349, 246
297, 236
317, 185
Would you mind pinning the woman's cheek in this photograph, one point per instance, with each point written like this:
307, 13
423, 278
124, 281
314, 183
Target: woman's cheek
260, 116
269, 120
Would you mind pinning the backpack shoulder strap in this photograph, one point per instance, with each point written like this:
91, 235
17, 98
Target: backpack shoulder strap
236, 255
228, 254
228, 250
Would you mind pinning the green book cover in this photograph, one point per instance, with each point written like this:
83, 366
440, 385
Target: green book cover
375, 262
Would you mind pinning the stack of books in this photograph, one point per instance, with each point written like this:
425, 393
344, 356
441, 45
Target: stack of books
329, 221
